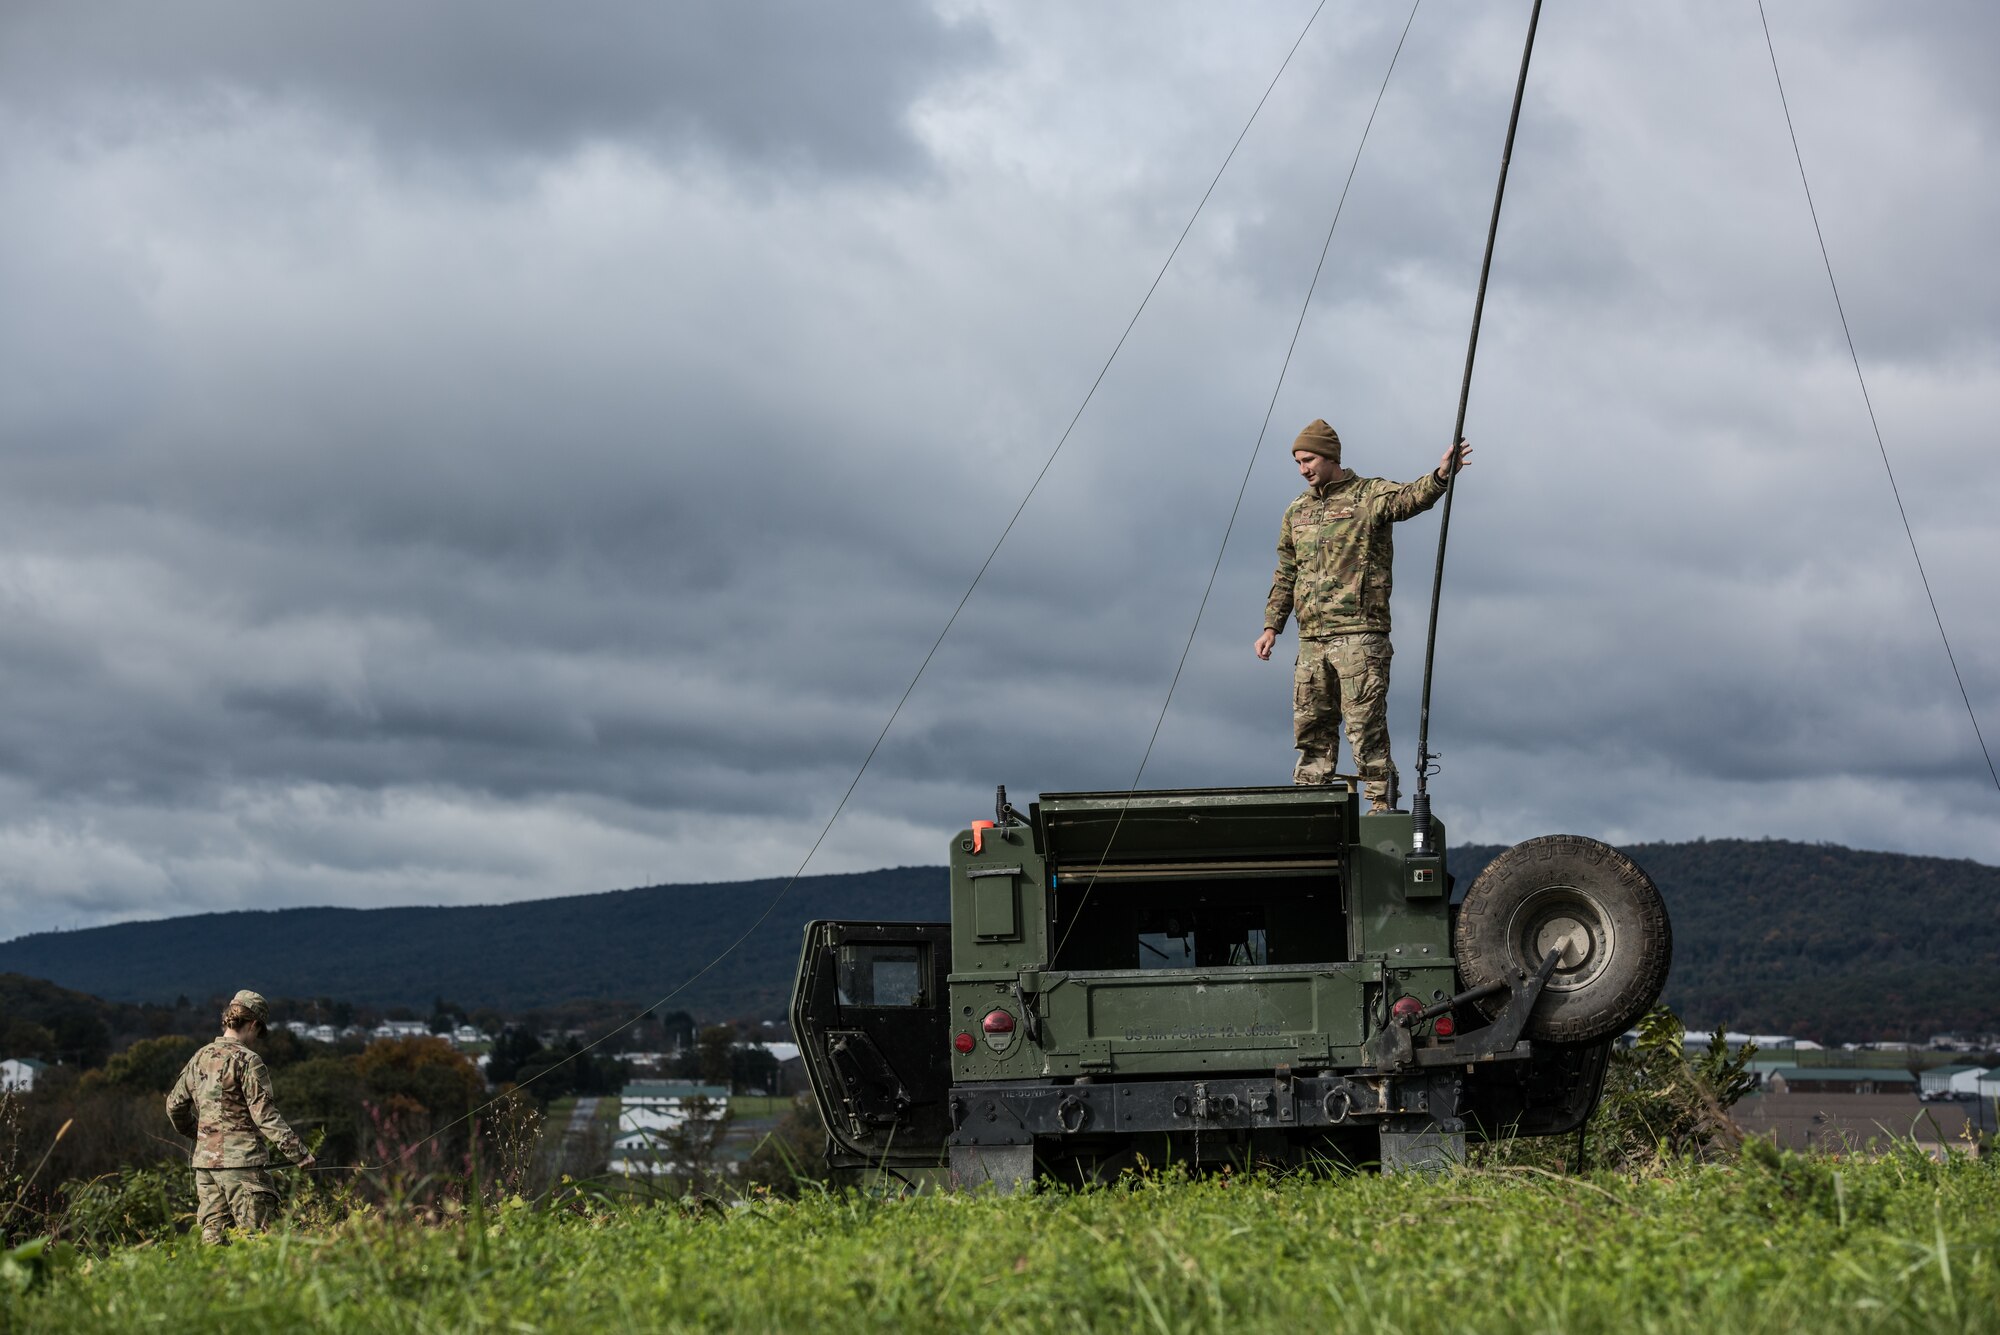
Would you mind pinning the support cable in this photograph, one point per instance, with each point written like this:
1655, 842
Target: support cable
951, 621
1243, 487
1861, 380
1420, 803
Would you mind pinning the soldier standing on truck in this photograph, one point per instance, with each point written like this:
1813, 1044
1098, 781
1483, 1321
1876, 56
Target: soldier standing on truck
1335, 559
223, 1100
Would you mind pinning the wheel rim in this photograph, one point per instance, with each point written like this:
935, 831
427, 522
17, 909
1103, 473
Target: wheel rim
1568, 920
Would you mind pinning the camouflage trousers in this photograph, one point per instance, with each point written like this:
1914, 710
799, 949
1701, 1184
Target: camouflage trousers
244, 1197
1344, 677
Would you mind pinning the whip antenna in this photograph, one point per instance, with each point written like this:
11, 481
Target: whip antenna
1420, 803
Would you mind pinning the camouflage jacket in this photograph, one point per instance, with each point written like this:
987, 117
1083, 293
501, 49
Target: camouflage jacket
223, 1100
1336, 557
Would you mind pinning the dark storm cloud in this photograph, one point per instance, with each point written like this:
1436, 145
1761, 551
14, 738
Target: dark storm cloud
368, 541
776, 82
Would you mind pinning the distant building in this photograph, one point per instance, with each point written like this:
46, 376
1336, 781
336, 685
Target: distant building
791, 1076
1965, 1084
400, 1029
1839, 1080
1935, 1083
316, 1033
466, 1035
1697, 1041
17, 1074
666, 1105
656, 1115
1954, 1043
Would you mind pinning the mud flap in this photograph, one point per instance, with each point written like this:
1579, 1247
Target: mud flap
1426, 1149
1006, 1168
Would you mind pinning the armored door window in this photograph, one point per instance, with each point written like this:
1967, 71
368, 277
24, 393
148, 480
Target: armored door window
880, 975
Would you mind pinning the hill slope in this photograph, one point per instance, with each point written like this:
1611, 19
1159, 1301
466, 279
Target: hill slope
1769, 936
624, 944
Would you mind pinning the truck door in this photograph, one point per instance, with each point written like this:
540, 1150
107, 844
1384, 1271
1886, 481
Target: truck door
869, 1016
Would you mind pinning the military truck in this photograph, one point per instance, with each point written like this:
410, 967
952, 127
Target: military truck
1246, 975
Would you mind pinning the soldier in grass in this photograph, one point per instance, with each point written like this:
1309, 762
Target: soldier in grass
223, 1100
1335, 557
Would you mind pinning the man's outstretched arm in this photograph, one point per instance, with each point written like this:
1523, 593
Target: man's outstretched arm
1413, 498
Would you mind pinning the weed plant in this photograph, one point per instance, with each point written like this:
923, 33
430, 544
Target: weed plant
1773, 1242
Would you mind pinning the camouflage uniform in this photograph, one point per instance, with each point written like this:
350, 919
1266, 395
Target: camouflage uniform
223, 1100
1335, 563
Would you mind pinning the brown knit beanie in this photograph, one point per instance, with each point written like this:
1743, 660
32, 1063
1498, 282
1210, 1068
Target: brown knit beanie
1318, 438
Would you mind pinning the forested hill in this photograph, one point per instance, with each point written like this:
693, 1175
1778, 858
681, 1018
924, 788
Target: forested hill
1769, 936
633, 945
1821, 941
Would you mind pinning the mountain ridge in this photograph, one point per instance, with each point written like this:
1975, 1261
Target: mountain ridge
1770, 935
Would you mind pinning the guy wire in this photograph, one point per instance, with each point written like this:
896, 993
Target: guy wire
1249, 467
1869, 403
951, 621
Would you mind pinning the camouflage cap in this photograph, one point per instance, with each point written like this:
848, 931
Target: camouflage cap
1318, 438
252, 1002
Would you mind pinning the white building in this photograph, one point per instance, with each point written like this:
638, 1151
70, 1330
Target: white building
401, 1029
652, 1111
1965, 1084
666, 1105
1987, 1085
1936, 1082
317, 1033
17, 1074
465, 1035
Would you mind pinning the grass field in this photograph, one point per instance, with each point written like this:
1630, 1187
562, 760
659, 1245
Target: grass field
1771, 1244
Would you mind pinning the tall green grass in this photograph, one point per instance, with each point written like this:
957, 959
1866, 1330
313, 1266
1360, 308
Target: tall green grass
1772, 1243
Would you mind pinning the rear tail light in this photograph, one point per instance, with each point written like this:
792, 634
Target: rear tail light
1445, 1027
963, 1043
1406, 1008
999, 1027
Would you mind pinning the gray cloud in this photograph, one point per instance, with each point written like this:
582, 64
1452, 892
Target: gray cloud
369, 535
782, 83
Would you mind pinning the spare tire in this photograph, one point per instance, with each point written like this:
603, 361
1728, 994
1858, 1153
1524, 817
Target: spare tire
1590, 903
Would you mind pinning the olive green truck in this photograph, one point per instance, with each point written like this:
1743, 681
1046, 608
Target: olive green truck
1246, 975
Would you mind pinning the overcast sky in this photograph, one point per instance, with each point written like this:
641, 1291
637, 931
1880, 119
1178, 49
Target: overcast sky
475, 451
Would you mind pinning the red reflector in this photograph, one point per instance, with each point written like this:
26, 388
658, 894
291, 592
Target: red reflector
1405, 1007
1445, 1028
997, 1022
963, 1042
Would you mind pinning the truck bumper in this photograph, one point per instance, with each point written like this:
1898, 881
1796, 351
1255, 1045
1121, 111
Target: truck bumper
1020, 1113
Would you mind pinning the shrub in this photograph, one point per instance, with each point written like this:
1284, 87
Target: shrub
131, 1205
